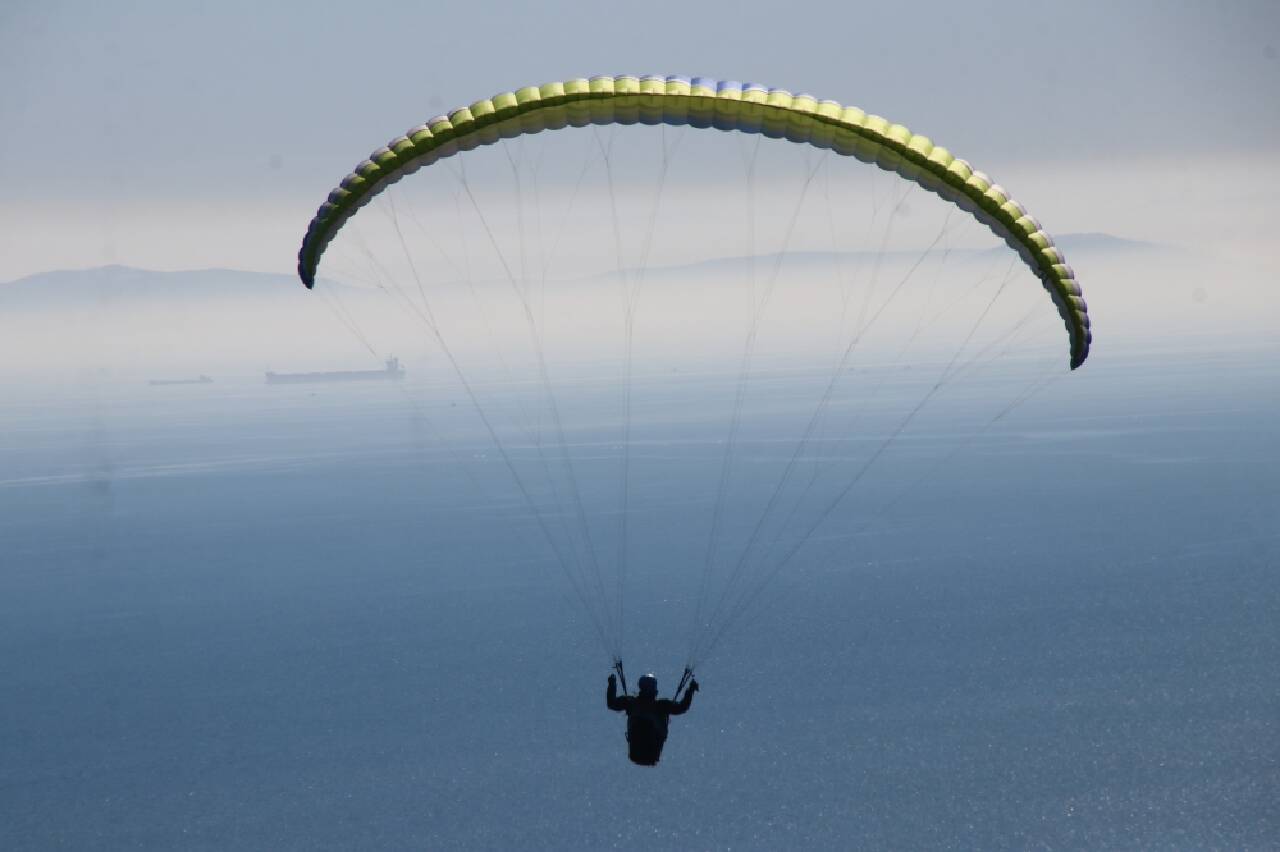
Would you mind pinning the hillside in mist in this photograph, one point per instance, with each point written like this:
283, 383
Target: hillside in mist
136, 322
125, 286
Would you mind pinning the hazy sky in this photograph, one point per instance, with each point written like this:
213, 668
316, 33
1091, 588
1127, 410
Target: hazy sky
205, 134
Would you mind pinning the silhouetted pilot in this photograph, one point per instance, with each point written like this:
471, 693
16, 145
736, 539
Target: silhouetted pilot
647, 717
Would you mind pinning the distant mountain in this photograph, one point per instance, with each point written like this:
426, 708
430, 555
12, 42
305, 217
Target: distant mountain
1073, 245
124, 286
1099, 242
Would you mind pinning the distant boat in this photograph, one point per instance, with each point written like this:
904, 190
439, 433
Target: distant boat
392, 371
199, 380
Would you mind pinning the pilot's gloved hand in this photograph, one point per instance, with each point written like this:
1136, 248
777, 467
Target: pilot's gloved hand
613, 680
693, 686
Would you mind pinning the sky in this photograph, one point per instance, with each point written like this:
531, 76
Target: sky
180, 135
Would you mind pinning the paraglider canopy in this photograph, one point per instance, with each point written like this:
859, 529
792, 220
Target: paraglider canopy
797, 480
707, 103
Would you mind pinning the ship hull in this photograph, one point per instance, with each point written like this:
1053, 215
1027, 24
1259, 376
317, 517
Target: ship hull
337, 376
202, 380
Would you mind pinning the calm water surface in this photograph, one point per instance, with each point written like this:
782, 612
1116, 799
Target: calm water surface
234, 616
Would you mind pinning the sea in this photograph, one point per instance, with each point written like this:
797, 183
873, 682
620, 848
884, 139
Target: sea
243, 616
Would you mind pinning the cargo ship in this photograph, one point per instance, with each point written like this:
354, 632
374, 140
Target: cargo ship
198, 380
392, 371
